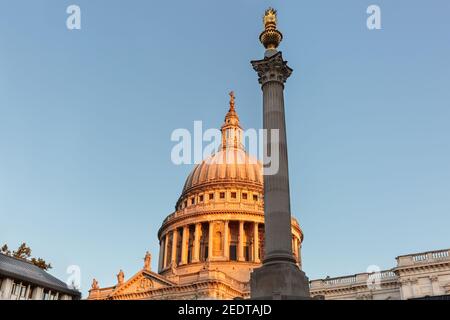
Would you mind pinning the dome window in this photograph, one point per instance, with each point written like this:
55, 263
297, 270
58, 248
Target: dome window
201, 198
233, 195
255, 197
211, 196
193, 201
244, 196
222, 195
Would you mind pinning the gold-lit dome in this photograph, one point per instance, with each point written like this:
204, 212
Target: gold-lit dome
231, 163
217, 228
225, 166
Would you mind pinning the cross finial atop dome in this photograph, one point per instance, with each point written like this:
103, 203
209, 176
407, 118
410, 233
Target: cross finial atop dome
232, 106
231, 129
232, 117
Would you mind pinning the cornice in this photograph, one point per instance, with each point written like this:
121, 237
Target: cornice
354, 288
222, 184
180, 289
418, 268
237, 216
171, 222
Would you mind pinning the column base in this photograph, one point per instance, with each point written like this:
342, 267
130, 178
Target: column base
279, 281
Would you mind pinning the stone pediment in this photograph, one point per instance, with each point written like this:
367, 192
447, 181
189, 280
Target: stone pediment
141, 282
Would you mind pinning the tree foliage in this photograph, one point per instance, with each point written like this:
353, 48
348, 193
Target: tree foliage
5, 250
24, 252
41, 263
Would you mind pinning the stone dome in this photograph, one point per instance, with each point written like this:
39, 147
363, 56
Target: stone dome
217, 228
230, 164
235, 166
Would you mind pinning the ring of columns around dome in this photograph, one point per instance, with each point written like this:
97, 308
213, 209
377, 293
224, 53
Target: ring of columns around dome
210, 231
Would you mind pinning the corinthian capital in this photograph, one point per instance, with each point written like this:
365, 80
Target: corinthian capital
272, 68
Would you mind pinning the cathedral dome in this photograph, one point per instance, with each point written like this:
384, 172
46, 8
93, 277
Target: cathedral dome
231, 164
217, 228
235, 166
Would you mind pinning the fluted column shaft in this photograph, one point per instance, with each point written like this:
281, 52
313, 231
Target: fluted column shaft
273, 73
174, 247
295, 248
166, 248
276, 187
210, 240
280, 276
241, 256
256, 242
185, 245
226, 244
300, 255
161, 254
196, 255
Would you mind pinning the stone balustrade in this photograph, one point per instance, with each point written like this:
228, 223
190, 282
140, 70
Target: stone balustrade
358, 279
201, 207
424, 257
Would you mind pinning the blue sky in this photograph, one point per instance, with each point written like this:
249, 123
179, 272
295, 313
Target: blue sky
86, 118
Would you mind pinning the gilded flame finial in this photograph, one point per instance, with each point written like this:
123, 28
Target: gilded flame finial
270, 18
270, 37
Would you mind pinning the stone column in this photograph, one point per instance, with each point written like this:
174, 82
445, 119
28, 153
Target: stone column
294, 247
256, 243
166, 248
37, 294
184, 245
300, 264
196, 255
27, 293
210, 240
174, 247
161, 254
280, 276
226, 243
5, 289
273, 72
241, 256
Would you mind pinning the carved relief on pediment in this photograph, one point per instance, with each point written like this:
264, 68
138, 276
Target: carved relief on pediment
145, 284
140, 283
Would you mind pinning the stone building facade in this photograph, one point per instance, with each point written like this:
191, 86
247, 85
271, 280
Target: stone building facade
22, 280
417, 276
215, 238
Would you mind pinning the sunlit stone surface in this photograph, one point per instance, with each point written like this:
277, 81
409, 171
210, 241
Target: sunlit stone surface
215, 238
